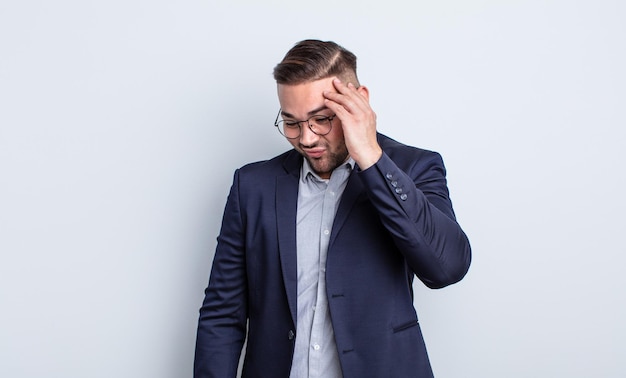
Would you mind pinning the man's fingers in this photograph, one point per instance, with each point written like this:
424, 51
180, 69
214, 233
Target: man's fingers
347, 96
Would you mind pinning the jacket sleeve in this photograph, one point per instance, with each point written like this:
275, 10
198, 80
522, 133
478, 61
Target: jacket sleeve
415, 208
223, 315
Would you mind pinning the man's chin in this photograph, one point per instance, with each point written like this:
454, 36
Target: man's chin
325, 165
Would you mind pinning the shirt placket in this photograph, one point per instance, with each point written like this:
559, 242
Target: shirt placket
321, 331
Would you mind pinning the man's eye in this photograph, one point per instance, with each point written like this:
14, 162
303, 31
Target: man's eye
291, 124
320, 119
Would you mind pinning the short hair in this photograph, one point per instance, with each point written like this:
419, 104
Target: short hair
311, 60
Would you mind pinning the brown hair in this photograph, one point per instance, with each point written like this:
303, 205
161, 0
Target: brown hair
311, 60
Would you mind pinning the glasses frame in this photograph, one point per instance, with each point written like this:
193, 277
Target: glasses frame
330, 121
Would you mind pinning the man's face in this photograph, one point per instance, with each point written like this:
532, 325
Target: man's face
299, 102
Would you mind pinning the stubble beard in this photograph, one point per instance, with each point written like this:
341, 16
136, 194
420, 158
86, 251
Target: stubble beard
328, 163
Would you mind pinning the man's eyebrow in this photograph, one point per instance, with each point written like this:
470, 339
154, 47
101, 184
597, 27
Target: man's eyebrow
312, 112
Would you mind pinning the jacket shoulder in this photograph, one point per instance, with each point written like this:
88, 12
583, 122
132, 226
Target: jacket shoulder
277, 162
262, 172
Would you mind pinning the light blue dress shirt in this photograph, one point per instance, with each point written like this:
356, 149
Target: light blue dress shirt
315, 352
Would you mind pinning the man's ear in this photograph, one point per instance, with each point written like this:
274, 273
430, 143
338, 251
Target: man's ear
364, 92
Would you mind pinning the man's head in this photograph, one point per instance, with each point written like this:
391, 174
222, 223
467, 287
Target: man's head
312, 60
304, 74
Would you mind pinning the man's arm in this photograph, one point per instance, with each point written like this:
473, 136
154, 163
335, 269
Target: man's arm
415, 208
223, 316
412, 204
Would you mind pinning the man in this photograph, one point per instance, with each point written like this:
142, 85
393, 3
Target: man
319, 246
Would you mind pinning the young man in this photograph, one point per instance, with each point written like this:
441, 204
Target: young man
319, 246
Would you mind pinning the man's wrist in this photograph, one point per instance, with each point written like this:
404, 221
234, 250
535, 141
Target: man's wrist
369, 160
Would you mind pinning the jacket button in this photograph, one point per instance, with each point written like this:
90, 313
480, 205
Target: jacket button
291, 334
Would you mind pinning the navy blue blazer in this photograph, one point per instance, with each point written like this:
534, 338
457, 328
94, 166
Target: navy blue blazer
395, 221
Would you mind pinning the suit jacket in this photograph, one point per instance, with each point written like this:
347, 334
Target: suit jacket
395, 221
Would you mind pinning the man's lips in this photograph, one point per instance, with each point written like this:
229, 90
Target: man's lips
314, 153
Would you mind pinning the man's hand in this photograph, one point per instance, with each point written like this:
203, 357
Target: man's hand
351, 105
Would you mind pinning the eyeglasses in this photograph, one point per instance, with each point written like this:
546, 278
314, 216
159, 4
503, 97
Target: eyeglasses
291, 129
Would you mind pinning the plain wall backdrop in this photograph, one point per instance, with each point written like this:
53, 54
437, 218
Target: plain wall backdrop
121, 123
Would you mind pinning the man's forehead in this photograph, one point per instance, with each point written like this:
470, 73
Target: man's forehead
298, 100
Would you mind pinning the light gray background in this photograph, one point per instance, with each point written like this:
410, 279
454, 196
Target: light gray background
121, 123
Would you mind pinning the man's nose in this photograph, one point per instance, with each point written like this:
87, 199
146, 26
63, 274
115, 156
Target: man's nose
307, 136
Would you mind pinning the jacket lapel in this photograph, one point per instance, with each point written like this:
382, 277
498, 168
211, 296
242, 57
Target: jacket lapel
352, 192
286, 208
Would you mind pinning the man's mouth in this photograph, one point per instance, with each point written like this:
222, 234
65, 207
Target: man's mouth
315, 153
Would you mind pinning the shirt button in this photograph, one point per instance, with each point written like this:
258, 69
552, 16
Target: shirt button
316, 346
326, 232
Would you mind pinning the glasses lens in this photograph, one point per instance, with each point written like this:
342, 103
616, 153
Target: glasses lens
289, 129
320, 124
